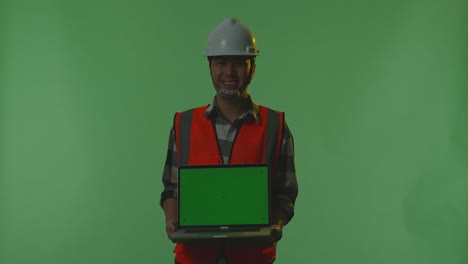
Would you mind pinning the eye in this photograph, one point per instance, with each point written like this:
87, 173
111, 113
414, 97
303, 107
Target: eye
241, 63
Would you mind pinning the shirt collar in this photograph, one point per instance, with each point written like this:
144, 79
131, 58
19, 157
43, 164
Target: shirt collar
253, 111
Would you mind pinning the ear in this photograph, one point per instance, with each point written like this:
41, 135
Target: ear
253, 69
209, 62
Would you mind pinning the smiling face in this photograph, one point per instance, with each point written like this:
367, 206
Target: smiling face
231, 74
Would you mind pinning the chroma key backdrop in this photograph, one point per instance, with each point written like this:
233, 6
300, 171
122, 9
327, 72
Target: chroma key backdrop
375, 93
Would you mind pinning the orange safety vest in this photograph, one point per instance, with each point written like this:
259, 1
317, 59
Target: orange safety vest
256, 142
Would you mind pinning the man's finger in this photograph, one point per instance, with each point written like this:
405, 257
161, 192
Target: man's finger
276, 232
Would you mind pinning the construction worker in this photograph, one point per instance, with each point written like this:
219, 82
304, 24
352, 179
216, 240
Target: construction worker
231, 130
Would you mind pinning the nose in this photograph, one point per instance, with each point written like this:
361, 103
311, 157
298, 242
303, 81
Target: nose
229, 69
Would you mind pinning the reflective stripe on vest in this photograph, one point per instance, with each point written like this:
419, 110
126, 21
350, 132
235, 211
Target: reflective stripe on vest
255, 142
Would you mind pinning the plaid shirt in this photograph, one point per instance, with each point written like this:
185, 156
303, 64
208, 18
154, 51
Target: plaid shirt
226, 134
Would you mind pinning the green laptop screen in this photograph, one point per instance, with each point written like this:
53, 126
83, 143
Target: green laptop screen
223, 195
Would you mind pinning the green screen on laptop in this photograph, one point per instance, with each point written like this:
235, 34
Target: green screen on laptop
223, 195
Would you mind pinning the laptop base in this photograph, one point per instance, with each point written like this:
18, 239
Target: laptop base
261, 238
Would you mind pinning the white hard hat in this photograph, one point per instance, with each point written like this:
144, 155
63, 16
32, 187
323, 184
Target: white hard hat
231, 37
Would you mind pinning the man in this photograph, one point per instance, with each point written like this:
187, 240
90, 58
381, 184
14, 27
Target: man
232, 129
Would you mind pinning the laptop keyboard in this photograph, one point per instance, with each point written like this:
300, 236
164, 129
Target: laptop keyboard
254, 229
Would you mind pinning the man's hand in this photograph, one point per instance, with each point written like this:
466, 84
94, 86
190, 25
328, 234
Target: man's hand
171, 227
277, 227
276, 232
170, 210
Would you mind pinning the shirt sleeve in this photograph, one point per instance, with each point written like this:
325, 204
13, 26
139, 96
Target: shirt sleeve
169, 176
286, 173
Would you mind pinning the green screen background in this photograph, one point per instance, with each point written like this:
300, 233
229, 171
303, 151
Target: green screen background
375, 93
209, 198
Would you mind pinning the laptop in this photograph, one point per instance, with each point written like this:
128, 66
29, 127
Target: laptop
224, 205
